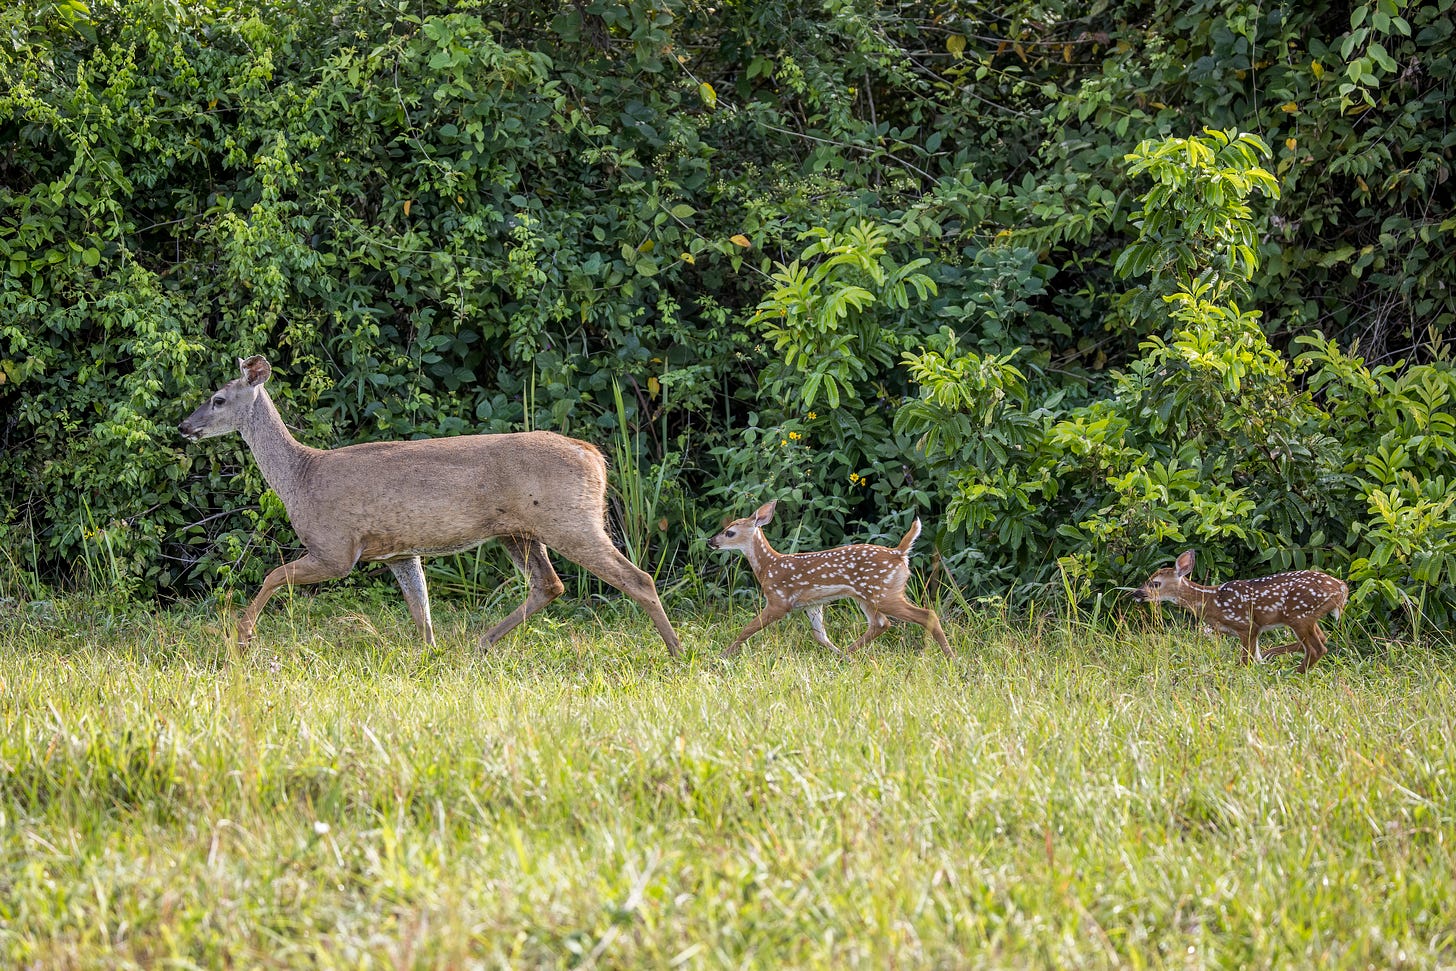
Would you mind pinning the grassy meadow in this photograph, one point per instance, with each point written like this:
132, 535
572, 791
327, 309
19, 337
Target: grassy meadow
1055, 796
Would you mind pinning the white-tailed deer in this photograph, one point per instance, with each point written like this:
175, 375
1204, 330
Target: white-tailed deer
1247, 608
393, 502
873, 576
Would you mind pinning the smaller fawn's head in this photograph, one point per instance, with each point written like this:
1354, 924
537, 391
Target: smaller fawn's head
739, 534
226, 410
1167, 582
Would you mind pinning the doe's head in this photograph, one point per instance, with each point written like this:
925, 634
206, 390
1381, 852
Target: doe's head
1167, 582
227, 408
739, 534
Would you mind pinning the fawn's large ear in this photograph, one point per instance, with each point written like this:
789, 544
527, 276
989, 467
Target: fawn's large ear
765, 513
1184, 566
255, 369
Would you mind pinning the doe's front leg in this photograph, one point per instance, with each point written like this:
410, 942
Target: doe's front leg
308, 568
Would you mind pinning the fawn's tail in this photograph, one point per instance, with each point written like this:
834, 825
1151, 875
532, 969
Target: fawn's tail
910, 537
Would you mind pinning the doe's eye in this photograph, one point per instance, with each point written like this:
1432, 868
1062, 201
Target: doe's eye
219, 401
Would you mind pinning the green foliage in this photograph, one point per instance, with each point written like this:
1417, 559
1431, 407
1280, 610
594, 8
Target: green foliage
1195, 220
822, 314
1206, 440
759, 221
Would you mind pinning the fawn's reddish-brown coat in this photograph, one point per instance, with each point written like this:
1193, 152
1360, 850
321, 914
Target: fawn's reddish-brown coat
872, 576
1247, 608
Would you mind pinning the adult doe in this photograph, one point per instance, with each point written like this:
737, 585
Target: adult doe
872, 576
393, 502
1247, 608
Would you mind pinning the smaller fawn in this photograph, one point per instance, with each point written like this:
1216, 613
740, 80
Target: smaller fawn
1247, 608
873, 576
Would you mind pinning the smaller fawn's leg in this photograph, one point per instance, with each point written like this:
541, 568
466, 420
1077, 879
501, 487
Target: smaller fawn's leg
765, 617
816, 623
1248, 646
1324, 647
1313, 649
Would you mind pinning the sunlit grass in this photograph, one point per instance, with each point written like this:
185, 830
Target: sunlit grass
341, 796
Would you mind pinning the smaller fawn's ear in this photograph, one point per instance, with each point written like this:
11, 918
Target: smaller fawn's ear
1184, 565
256, 369
765, 513
722, 525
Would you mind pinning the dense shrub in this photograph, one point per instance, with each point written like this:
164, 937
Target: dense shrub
862, 257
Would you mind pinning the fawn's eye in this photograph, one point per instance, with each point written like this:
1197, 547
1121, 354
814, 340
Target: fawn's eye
728, 533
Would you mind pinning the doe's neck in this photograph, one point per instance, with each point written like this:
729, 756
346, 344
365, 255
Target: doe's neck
279, 455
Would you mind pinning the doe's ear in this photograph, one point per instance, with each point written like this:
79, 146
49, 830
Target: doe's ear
765, 513
255, 369
1184, 566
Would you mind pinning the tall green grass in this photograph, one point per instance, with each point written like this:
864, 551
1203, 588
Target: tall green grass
1058, 795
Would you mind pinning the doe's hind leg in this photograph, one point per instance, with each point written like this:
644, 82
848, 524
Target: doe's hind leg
543, 585
596, 552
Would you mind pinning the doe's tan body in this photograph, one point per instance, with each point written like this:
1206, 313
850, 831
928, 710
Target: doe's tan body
394, 502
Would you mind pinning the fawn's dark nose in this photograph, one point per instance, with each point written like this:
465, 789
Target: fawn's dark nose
713, 543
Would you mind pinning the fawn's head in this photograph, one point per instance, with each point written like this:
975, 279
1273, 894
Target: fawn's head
1166, 583
739, 534
229, 405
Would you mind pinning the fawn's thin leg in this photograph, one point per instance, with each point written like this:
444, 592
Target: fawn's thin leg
816, 624
543, 585
1313, 642
878, 624
308, 568
1282, 649
1248, 645
769, 614
411, 576
924, 616
1324, 646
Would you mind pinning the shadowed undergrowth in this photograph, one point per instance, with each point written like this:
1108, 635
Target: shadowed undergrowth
341, 796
